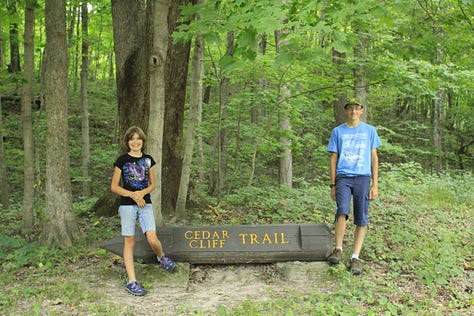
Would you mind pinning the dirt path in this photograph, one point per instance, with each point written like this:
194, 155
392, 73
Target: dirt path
207, 288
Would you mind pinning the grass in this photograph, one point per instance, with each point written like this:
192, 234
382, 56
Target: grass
418, 254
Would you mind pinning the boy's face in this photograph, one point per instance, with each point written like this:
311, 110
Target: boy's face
353, 111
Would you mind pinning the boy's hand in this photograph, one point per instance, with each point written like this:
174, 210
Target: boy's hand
374, 193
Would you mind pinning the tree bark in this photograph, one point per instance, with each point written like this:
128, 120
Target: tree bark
129, 24
27, 123
14, 66
338, 59
176, 74
59, 227
131, 66
5, 198
360, 78
286, 156
86, 191
159, 46
194, 117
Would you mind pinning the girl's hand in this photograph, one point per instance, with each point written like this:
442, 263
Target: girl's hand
137, 195
141, 203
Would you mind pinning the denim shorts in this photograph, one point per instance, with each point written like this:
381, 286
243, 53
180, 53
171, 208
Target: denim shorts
129, 214
359, 189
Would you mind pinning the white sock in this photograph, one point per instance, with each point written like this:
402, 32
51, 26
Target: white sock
340, 248
355, 256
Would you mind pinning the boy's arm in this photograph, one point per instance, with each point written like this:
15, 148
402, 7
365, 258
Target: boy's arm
374, 190
332, 173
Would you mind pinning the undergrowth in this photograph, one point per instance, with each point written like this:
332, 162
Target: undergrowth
418, 257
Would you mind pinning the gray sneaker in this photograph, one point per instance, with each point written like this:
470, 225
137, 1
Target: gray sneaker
335, 256
354, 266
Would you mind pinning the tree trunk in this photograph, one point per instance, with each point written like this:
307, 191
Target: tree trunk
194, 117
286, 157
27, 123
176, 70
2, 63
159, 24
217, 178
86, 191
338, 59
14, 66
60, 227
5, 198
360, 79
129, 23
131, 65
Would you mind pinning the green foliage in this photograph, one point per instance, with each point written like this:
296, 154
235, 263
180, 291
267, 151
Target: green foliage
16, 253
252, 205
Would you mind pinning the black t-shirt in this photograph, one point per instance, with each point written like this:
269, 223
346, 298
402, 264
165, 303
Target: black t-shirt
135, 175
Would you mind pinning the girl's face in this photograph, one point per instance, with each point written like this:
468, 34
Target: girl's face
135, 143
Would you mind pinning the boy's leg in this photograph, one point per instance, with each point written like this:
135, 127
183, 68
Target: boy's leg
359, 236
340, 229
361, 219
361, 211
343, 198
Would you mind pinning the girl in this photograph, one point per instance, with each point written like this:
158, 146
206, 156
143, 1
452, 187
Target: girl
133, 180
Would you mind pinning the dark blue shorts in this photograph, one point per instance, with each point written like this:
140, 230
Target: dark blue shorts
359, 189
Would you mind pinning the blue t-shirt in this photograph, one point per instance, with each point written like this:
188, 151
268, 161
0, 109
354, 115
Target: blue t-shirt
354, 147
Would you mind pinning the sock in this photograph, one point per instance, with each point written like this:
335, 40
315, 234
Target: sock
340, 248
355, 256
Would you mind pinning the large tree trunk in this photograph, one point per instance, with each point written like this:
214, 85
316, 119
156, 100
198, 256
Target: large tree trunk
86, 190
176, 72
131, 64
60, 227
159, 29
194, 117
27, 123
130, 42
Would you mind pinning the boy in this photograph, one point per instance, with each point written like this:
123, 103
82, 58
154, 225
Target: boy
353, 162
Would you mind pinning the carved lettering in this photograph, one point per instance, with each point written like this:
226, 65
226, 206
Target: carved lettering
205, 239
255, 239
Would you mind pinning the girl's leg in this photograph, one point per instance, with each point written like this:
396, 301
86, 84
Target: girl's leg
154, 243
128, 248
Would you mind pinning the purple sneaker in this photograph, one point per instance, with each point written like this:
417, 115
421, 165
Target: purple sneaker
135, 288
167, 263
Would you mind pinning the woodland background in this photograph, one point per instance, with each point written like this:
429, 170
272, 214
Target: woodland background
238, 99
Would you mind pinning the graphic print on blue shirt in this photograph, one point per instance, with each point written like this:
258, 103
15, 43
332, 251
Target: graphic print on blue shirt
354, 151
136, 174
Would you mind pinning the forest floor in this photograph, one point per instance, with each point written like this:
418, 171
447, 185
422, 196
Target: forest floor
196, 289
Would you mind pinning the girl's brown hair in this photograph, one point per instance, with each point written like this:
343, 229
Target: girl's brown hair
128, 135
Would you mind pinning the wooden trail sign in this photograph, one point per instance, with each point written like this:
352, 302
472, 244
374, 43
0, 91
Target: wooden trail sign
235, 244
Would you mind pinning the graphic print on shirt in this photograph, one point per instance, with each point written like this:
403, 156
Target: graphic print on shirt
136, 173
354, 149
